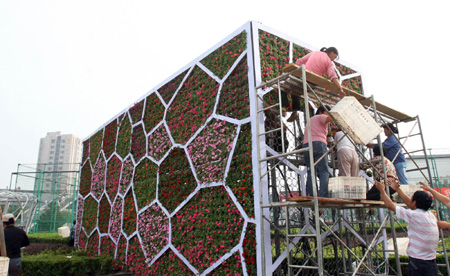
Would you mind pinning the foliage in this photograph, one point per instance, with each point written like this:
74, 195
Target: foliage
98, 177
127, 173
154, 112
249, 245
168, 89
85, 179
123, 138
53, 238
234, 98
231, 265
109, 140
274, 53
129, 214
85, 151
135, 258
176, 180
54, 263
90, 214
210, 150
153, 227
93, 244
158, 143
116, 219
169, 264
240, 178
145, 182
207, 227
192, 105
95, 145
136, 111
113, 176
221, 60
103, 215
138, 142
120, 261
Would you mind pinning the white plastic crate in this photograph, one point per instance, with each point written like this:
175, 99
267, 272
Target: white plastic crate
64, 231
408, 190
354, 120
4, 265
347, 187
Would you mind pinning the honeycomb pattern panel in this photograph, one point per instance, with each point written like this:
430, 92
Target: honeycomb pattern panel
207, 227
113, 171
109, 139
153, 226
210, 150
192, 105
176, 180
221, 60
154, 112
124, 137
90, 214
145, 177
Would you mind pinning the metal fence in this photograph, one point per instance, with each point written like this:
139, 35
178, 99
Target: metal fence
55, 191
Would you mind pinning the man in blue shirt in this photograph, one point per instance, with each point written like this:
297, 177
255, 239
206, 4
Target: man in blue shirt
394, 151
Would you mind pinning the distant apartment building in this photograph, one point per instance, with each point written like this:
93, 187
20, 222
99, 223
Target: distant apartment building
58, 164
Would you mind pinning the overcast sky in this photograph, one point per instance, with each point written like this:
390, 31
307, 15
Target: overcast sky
71, 66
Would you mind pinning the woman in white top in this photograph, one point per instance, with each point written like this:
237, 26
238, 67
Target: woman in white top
348, 160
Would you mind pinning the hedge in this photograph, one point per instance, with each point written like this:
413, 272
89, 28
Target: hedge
55, 263
47, 238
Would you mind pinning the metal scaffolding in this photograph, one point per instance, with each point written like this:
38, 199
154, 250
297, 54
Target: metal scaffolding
321, 236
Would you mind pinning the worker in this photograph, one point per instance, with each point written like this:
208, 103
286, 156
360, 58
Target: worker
319, 130
422, 228
15, 239
320, 63
347, 157
394, 151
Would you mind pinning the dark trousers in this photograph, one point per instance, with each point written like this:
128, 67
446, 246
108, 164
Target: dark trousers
418, 267
14, 266
285, 101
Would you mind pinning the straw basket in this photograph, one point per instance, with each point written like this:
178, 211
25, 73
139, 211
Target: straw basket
354, 120
347, 187
4, 265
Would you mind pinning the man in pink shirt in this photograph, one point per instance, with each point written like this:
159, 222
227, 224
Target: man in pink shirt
319, 131
321, 63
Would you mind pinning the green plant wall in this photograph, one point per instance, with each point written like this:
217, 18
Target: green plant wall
168, 186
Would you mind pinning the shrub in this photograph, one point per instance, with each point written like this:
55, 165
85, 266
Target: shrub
55, 263
48, 238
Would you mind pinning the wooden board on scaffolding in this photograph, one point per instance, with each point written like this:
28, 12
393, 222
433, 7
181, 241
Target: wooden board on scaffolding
308, 201
332, 97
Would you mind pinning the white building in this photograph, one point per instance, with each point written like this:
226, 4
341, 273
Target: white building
439, 165
58, 164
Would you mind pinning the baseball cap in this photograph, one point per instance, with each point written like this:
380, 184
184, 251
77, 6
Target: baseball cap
7, 217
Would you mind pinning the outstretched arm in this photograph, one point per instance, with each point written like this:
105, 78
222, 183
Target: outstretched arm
442, 198
406, 199
443, 225
342, 94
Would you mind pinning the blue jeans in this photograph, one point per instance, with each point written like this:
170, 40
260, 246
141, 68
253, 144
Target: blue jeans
400, 168
319, 149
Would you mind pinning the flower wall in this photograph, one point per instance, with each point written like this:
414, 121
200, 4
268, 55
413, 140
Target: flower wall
168, 186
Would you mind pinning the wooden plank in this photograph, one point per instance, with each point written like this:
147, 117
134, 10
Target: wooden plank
323, 201
325, 83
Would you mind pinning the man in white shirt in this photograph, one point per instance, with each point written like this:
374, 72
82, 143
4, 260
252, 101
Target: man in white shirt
423, 231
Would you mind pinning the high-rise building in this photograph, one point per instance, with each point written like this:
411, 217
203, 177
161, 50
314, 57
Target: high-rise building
58, 164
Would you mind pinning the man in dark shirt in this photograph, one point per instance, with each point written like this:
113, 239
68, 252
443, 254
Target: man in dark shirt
15, 238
